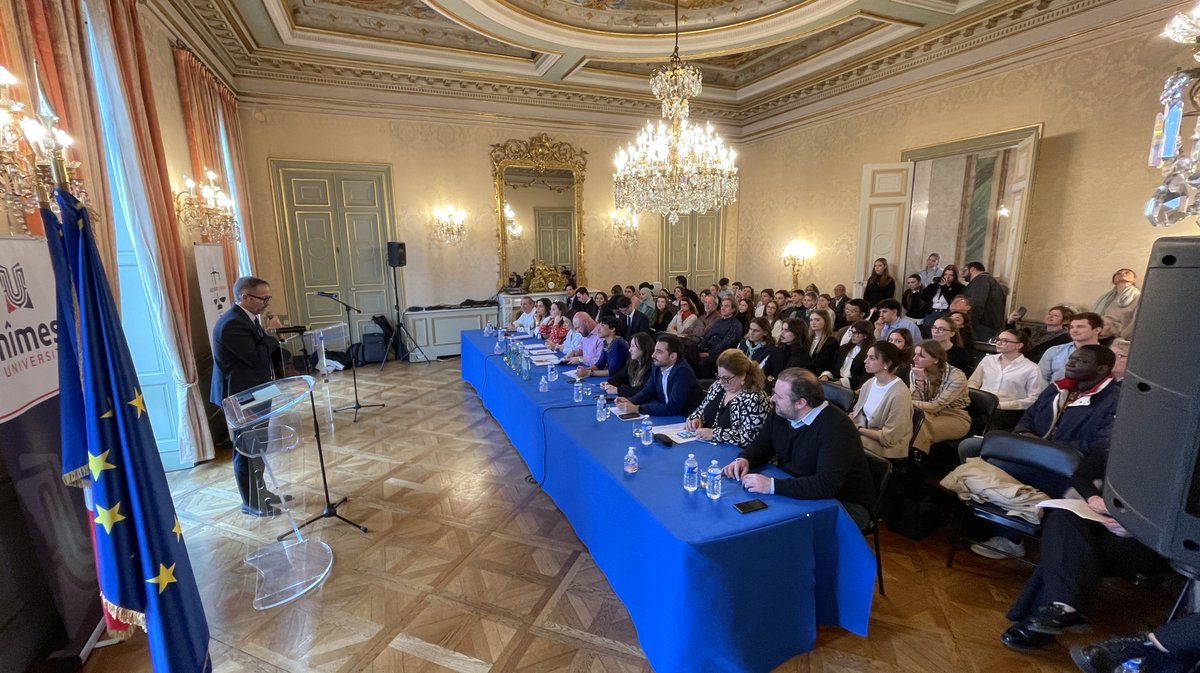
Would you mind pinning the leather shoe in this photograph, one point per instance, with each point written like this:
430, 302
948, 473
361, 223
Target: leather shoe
1110, 655
264, 509
272, 498
1056, 619
1019, 637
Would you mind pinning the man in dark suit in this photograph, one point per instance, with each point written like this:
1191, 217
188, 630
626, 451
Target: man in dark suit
671, 389
816, 444
242, 350
987, 301
630, 321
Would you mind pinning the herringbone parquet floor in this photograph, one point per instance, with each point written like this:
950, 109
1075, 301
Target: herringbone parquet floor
468, 568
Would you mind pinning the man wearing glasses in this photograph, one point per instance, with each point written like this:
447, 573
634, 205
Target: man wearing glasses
242, 349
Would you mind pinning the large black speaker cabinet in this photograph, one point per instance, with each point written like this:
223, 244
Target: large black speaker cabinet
397, 254
1153, 482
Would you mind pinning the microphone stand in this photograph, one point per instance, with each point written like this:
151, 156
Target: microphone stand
353, 370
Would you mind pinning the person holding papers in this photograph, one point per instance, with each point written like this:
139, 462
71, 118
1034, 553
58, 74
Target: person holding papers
735, 408
671, 389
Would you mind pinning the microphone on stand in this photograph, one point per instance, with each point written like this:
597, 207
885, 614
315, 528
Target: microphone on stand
331, 295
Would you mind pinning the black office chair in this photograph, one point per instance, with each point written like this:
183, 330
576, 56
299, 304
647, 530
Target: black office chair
1044, 465
981, 408
838, 395
881, 477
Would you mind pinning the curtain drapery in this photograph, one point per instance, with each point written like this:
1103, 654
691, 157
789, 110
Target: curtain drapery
131, 127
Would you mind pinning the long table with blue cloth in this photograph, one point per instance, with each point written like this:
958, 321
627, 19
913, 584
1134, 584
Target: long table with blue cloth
709, 589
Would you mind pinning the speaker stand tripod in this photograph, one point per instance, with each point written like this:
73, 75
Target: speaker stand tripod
397, 339
330, 510
353, 370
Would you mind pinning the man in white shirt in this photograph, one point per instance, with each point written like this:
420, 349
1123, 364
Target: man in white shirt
1083, 329
525, 321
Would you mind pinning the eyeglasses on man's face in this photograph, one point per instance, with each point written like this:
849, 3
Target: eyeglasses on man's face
266, 298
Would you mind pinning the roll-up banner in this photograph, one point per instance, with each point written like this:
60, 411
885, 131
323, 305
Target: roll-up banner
215, 293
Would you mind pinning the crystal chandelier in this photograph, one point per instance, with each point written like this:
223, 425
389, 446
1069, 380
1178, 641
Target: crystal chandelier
675, 167
511, 225
32, 154
625, 226
207, 210
448, 225
1185, 29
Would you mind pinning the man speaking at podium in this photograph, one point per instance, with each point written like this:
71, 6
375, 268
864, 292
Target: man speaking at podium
242, 349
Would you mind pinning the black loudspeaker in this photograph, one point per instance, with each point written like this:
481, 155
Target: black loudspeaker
1153, 483
397, 255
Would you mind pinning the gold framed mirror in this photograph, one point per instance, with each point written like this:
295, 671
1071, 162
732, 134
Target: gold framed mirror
539, 204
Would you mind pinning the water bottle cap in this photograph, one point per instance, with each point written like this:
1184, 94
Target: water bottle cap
631, 449
714, 462
691, 455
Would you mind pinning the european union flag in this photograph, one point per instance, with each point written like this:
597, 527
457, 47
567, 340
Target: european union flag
145, 575
70, 388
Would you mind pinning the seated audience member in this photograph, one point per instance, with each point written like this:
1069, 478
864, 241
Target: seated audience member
723, 289
1011, 377
526, 319
676, 295
541, 315
815, 443
631, 293
590, 347
838, 303
1083, 329
1076, 554
614, 292
791, 350
554, 329
671, 389
948, 337
1052, 333
812, 287
890, 319
913, 300
987, 298
763, 297
584, 303
849, 368
1171, 648
686, 324
630, 379
880, 284
962, 321
823, 348
682, 282
748, 295
795, 307
823, 303
663, 314
745, 313
781, 300
940, 391
1109, 331
852, 312
938, 294
630, 321
602, 305
646, 305
1120, 349
884, 411
772, 316
932, 270
614, 353
572, 340
903, 339
712, 310
735, 407
758, 344
1121, 302
722, 335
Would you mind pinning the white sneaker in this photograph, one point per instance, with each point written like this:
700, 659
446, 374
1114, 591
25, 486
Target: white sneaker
1004, 544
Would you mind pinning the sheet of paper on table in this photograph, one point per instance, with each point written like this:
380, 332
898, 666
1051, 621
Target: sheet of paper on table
542, 360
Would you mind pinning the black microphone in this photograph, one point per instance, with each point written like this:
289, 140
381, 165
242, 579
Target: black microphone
331, 295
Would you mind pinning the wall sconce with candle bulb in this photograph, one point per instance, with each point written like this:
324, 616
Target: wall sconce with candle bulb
795, 255
448, 225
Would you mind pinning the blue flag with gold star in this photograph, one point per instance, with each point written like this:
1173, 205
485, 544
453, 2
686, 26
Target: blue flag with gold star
145, 575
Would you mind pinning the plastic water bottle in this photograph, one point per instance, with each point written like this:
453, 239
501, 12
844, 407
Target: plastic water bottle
489, 328
551, 373
577, 393
713, 487
499, 346
543, 385
601, 409
691, 474
631, 461
647, 431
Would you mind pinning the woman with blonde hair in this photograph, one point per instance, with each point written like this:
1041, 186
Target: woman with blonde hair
940, 391
736, 405
823, 349
883, 412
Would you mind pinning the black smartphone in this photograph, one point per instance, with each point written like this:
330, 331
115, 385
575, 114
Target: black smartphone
629, 416
1021, 312
749, 506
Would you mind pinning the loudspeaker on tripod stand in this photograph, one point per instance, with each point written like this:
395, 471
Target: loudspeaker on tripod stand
397, 254
1153, 482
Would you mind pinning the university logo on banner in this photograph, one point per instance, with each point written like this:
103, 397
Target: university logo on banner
28, 327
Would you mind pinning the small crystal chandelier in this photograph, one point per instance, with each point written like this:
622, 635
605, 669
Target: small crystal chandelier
448, 225
625, 226
207, 210
1185, 29
511, 225
675, 167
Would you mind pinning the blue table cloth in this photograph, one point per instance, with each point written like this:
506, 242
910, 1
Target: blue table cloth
708, 588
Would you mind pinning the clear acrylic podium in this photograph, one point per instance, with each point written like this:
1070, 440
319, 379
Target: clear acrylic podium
317, 340
255, 417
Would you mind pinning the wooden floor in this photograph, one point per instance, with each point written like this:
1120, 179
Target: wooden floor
469, 568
